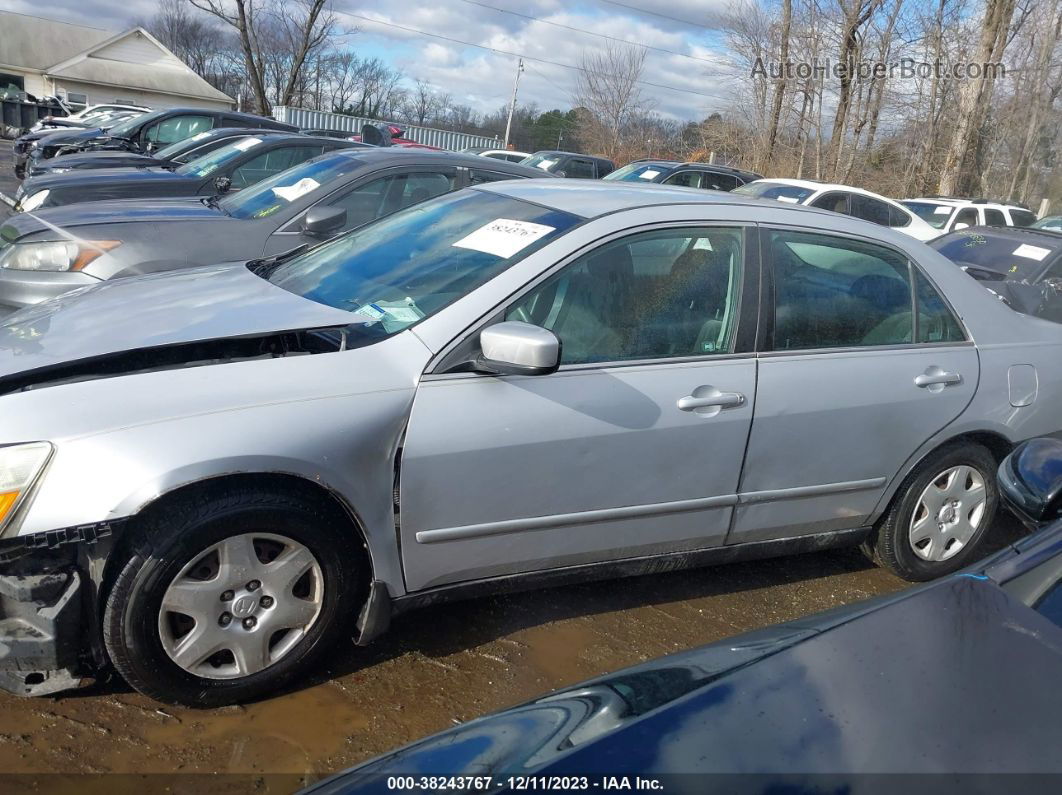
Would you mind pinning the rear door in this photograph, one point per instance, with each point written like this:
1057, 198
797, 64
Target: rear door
864, 363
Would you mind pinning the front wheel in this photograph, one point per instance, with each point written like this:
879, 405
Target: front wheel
223, 601
940, 517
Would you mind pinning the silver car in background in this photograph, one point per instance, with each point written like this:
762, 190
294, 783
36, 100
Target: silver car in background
209, 475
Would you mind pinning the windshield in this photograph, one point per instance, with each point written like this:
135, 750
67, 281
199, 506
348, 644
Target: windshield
127, 128
543, 161
409, 265
277, 192
207, 164
636, 172
1017, 259
1052, 222
765, 189
936, 215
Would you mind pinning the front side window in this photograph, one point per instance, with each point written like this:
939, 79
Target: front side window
379, 197
580, 169
837, 293
968, 216
655, 295
684, 179
835, 202
270, 163
206, 164
408, 266
274, 194
1022, 217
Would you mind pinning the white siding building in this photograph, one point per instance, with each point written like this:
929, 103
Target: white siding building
86, 66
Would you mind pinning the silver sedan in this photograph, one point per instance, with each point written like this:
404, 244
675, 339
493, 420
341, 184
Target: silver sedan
227, 468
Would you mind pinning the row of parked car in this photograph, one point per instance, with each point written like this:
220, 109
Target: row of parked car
356, 379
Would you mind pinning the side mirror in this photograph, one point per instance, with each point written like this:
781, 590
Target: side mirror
323, 221
222, 184
561, 173
516, 348
959, 226
1030, 481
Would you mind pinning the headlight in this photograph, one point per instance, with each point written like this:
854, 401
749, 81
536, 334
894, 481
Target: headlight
61, 170
20, 466
65, 255
35, 144
34, 201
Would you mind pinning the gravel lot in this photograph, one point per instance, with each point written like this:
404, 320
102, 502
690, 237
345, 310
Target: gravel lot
439, 666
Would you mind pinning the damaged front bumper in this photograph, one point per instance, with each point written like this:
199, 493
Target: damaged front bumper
49, 626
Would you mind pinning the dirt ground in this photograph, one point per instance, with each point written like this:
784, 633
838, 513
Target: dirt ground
436, 667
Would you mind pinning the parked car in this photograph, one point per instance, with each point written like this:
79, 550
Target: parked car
26, 145
687, 175
83, 118
570, 164
522, 383
171, 156
510, 155
300, 206
828, 698
1023, 266
324, 132
150, 132
842, 199
951, 215
1050, 222
235, 166
389, 135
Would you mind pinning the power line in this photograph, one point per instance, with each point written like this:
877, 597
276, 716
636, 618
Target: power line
655, 14
587, 32
519, 55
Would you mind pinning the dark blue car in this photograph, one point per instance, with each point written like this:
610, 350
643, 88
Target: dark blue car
959, 677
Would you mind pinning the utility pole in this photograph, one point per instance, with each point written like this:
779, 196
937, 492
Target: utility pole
512, 105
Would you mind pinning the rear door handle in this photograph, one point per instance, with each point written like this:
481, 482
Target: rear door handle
714, 399
936, 377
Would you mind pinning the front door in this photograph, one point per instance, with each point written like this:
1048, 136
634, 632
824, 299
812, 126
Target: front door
634, 447
854, 384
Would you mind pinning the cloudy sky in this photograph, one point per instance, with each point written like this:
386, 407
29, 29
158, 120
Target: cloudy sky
689, 64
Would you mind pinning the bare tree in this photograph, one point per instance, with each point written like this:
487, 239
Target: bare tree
277, 37
607, 87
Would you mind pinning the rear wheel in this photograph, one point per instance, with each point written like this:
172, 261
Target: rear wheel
226, 600
940, 517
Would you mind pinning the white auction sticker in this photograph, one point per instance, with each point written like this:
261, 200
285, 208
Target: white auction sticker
247, 143
504, 237
649, 174
1031, 252
787, 199
200, 136
300, 188
943, 211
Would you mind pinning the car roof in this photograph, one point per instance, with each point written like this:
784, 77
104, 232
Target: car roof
571, 154
594, 198
951, 202
397, 155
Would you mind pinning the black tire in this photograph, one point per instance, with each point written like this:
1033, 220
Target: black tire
164, 542
890, 546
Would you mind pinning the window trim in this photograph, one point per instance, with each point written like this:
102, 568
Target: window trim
765, 340
747, 316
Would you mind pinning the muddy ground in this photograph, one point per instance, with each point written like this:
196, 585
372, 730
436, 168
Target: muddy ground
436, 667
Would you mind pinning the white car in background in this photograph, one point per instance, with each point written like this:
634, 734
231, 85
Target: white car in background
842, 199
949, 215
509, 155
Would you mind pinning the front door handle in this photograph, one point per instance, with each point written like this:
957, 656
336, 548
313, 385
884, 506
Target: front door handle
936, 378
709, 401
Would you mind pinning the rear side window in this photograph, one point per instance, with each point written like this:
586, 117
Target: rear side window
870, 209
577, 168
714, 181
478, 176
898, 218
935, 321
994, 217
1022, 217
836, 202
685, 179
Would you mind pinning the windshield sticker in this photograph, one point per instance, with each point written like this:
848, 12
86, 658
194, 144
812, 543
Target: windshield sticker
545, 164
1031, 252
301, 188
788, 199
370, 310
504, 237
942, 211
247, 143
267, 211
649, 174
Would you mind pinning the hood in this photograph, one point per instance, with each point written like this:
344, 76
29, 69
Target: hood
72, 137
98, 160
149, 313
109, 212
107, 183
